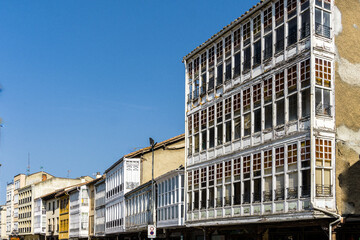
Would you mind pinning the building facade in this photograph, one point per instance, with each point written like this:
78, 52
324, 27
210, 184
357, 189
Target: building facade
260, 123
10, 208
3, 222
100, 190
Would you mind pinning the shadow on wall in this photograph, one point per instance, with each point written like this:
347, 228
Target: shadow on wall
349, 182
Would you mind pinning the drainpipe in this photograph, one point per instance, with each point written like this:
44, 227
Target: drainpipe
339, 218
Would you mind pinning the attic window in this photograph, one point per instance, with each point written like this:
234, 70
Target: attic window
228, 44
237, 38
246, 32
190, 68
257, 24
211, 55
279, 10
268, 18
203, 61
219, 51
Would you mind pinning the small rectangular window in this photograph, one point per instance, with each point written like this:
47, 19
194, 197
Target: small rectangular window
279, 84
203, 140
219, 134
305, 103
256, 25
279, 46
237, 60
305, 73
257, 120
246, 33
246, 166
268, 159
292, 153
237, 128
247, 59
203, 118
237, 104
322, 72
211, 80
196, 122
305, 153
219, 79
268, 116
279, 11
257, 95
203, 62
211, 56
196, 139
196, 65
237, 39
268, 19
279, 156
228, 70
292, 31
190, 125
246, 99
247, 124
268, 46
219, 51
268, 90
292, 78
305, 24
228, 131
228, 45
257, 164
211, 115
257, 53
219, 112
190, 68
211, 137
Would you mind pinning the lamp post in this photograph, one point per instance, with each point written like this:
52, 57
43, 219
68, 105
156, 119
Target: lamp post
152, 145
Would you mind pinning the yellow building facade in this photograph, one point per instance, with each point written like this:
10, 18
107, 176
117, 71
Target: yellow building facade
64, 216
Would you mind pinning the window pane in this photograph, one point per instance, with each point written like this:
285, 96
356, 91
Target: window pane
280, 116
293, 107
257, 120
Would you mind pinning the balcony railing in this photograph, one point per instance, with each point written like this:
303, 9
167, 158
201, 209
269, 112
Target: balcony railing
279, 46
305, 191
323, 190
322, 30
305, 31
279, 194
267, 196
292, 193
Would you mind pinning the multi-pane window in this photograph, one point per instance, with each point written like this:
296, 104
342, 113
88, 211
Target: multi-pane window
305, 153
196, 178
227, 107
246, 32
219, 50
237, 40
246, 99
257, 94
279, 10
268, 89
219, 111
203, 61
268, 18
268, 159
292, 78
246, 164
190, 124
323, 155
203, 118
203, 177
190, 177
237, 167
196, 65
291, 5
211, 115
279, 84
292, 153
228, 45
257, 25
196, 122
211, 175
211, 56
323, 152
190, 68
256, 163
268, 51
279, 46
219, 172
322, 18
227, 171
305, 73
279, 156
323, 72
237, 104
292, 31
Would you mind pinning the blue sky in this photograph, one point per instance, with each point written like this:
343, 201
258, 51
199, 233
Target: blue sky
85, 82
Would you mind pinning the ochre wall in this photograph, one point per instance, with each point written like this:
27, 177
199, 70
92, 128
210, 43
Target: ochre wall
347, 103
165, 160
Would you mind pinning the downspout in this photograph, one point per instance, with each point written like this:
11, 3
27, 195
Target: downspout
339, 218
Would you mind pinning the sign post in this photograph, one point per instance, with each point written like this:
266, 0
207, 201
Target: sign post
151, 231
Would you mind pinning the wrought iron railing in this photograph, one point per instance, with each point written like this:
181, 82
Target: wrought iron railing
292, 193
322, 30
323, 190
279, 194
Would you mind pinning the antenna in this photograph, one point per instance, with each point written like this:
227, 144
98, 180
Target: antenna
68, 173
28, 167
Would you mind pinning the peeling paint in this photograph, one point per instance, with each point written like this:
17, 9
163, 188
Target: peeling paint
348, 71
337, 21
351, 138
356, 26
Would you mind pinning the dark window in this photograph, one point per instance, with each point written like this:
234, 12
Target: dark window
268, 116
305, 24
247, 59
237, 193
293, 107
279, 46
219, 134
257, 120
268, 46
228, 131
322, 23
280, 114
228, 70
203, 140
237, 59
292, 31
219, 79
257, 53
237, 127
247, 124
246, 196
305, 103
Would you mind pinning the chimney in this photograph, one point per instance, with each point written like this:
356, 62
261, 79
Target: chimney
98, 175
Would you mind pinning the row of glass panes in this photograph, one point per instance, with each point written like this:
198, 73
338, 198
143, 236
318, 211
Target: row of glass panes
207, 59
113, 182
113, 213
234, 177
168, 213
262, 99
137, 204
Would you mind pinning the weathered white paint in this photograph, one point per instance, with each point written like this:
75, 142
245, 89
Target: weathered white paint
351, 138
337, 21
349, 72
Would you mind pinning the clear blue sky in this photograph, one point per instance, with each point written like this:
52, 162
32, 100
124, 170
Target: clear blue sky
85, 82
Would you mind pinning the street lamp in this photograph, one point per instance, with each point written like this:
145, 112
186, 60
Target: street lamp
152, 145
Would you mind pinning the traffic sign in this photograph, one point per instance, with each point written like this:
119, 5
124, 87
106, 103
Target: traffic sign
151, 231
